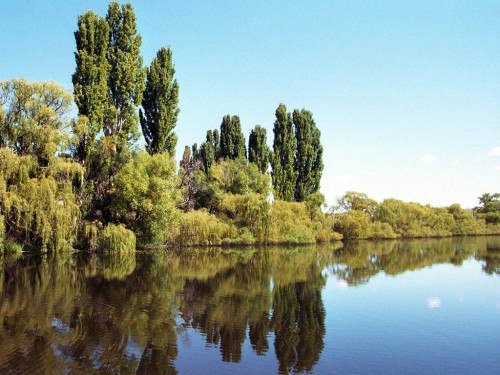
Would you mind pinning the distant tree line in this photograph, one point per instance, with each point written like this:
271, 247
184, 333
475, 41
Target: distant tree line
357, 216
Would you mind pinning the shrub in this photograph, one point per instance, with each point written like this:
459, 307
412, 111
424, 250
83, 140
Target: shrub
290, 224
116, 238
202, 228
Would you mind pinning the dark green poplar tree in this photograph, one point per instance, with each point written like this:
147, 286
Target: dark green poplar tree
216, 143
207, 152
126, 74
232, 140
283, 172
90, 80
195, 153
258, 150
159, 102
308, 161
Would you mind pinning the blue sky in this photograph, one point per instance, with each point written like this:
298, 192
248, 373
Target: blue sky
405, 93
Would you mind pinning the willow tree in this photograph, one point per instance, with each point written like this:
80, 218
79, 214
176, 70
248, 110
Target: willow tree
308, 161
283, 172
232, 140
90, 80
159, 102
37, 203
126, 74
258, 150
34, 118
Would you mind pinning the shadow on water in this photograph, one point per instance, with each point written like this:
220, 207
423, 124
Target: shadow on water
73, 312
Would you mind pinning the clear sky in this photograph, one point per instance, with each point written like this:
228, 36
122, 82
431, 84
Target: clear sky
405, 93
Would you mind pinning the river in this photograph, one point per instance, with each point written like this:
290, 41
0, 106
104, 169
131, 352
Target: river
385, 307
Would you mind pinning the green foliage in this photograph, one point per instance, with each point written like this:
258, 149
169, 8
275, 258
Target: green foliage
10, 247
216, 143
207, 152
38, 206
159, 102
415, 220
361, 217
309, 155
230, 176
283, 173
232, 140
290, 224
116, 238
112, 265
90, 80
146, 196
201, 228
258, 150
357, 201
249, 211
2, 230
490, 208
487, 198
353, 224
314, 202
33, 118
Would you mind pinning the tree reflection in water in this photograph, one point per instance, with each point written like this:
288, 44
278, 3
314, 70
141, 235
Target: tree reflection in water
79, 313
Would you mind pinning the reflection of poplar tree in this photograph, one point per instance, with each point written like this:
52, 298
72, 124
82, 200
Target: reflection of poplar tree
299, 326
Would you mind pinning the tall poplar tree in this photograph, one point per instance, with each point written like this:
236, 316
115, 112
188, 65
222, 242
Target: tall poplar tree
159, 102
216, 138
90, 80
126, 74
207, 152
309, 155
283, 172
258, 150
232, 140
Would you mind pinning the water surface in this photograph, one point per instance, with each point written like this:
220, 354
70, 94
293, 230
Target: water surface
388, 307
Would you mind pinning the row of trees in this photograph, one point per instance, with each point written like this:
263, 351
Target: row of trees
359, 217
296, 159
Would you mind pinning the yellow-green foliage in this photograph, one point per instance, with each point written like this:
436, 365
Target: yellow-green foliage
415, 220
34, 120
323, 226
39, 209
202, 228
249, 211
10, 247
111, 265
89, 236
2, 230
116, 238
145, 196
364, 218
239, 177
357, 224
290, 223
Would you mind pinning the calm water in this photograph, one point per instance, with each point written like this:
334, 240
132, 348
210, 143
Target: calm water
398, 307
